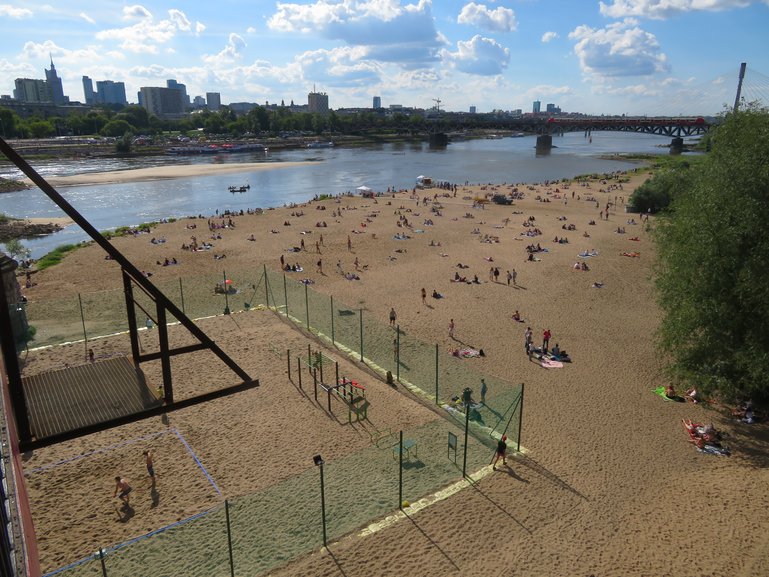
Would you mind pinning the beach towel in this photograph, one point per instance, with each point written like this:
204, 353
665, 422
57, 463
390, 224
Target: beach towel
661, 392
550, 364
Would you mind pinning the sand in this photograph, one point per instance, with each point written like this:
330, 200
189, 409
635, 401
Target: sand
608, 484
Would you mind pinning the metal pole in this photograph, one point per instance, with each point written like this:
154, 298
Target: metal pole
229, 537
333, 341
288, 362
266, 287
285, 293
467, 426
323, 504
337, 372
307, 306
739, 86
299, 370
361, 335
315, 382
520, 419
398, 353
103, 564
436, 374
400, 472
226, 294
181, 293
82, 320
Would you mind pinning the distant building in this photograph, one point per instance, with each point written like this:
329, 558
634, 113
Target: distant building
317, 102
242, 107
54, 84
213, 101
174, 85
516, 112
90, 96
163, 102
552, 109
377, 102
472, 110
198, 102
31, 90
109, 92
537, 106
38, 91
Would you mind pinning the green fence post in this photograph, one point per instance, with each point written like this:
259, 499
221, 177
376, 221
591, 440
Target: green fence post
285, 293
437, 402
520, 419
181, 294
266, 287
307, 306
333, 341
361, 335
229, 537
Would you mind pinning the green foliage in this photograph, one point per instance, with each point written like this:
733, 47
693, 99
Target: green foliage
712, 278
4, 218
55, 256
116, 128
16, 250
124, 143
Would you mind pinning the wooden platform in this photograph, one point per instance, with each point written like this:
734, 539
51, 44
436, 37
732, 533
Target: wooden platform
74, 397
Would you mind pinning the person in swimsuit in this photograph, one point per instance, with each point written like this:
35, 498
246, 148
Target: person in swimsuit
150, 467
122, 490
501, 452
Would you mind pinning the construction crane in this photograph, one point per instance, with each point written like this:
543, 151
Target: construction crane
437, 104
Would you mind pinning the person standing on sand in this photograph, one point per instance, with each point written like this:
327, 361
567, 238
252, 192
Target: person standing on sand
424, 296
451, 329
545, 340
393, 316
484, 390
501, 452
349, 243
509, 277
321, 240
320, 266
122, 490
515, 277
150, 466
496, 274
527, 337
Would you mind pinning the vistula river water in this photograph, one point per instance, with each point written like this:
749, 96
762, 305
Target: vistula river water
331, 171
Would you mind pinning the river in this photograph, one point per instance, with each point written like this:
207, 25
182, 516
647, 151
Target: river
332, 171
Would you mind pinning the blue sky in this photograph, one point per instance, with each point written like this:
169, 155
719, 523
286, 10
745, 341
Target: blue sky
618, 56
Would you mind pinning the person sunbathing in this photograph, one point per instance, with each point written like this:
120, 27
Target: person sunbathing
517, 316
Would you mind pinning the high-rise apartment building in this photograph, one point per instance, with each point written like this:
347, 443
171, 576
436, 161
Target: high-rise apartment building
473, 110
213, 101
537, 107
174, 85
31, 90
317, 102
162, 102
377, 102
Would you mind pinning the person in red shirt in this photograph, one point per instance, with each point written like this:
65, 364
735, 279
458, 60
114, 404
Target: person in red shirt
545, 340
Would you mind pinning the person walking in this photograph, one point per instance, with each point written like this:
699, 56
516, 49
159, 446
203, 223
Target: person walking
515, 277
320, 266
496, 274
484, 390
424, 296
509, 277
150, 465
393, 316
122, 490
501, 452
451, 329
349, 243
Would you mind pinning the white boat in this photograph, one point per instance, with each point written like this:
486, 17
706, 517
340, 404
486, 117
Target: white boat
317, 144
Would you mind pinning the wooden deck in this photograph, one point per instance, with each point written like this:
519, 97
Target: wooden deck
74, 397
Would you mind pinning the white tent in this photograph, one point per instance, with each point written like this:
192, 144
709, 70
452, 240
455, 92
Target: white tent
363, 189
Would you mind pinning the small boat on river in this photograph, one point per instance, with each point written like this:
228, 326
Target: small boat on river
242, 188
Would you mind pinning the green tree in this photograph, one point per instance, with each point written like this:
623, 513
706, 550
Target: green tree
41, 128
16, 250
8, 121
116, 128
712, 278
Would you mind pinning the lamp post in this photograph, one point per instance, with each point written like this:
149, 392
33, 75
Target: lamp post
318, 460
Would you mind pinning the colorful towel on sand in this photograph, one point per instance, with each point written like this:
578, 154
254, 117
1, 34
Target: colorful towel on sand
661, 392
550, 364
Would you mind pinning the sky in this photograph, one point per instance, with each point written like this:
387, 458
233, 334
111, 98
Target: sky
638, 57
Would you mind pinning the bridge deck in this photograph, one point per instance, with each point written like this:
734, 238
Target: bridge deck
66, 399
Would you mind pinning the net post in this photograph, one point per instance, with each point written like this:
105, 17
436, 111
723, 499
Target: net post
82, 321
229, 537
398, 353
361, 334
400, 471
181, 294
520, 419
333, 340
436, 375
285, 293
307, 305
288, 362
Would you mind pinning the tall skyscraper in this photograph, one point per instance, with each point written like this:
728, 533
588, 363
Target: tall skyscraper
174, 85
31, 90
90, 97
473, 109
317, 102
109, 92
54, 85
377, 102
537, 107
213, 101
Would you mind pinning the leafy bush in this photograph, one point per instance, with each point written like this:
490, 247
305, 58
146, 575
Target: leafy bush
55, 256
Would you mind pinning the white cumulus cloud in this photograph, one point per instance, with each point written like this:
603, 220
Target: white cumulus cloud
87, 18
619, 49
479, 55
135, 12
498, 20
548, 36
660, 9
14, 12
144, 36
230, 53
180, 19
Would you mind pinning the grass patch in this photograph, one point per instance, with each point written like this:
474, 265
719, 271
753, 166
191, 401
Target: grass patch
55, 256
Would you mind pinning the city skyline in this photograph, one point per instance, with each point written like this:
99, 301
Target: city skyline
616, 57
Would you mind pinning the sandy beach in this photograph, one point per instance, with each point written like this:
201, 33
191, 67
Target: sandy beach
608, 483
